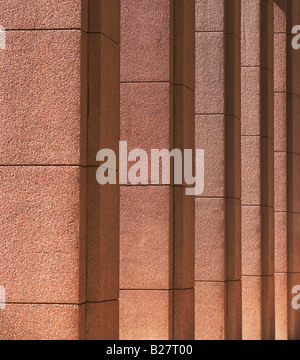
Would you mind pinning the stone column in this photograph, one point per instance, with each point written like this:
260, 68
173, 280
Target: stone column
59, 104
280, 166
293, 149
218, 211
43, 134
157, 221
103, 201
257, 170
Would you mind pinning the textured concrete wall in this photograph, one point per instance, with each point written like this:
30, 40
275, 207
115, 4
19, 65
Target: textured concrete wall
84, 261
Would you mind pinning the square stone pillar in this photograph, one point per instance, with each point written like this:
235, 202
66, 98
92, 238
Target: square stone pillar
218, 210
43, 133
293, 89
59, 96
258, 170
280, 166
157, 221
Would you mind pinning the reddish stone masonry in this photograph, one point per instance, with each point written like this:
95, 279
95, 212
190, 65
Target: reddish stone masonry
145, 261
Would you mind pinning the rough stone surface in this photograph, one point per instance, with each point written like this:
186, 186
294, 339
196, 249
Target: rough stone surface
43, 96
42, 322
42, 229
44, 14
